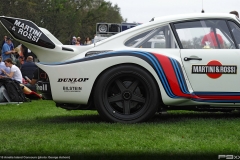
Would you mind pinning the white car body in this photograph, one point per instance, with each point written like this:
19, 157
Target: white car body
183, 77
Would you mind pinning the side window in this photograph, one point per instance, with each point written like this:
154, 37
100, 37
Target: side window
235, 31
157, 38
204, 34
131, 42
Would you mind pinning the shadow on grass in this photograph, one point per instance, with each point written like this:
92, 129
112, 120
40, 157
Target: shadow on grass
168, 117
171, 117
158, 118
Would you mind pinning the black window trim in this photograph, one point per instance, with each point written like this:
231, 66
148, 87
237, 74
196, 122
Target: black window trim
178, 39
148, 36
176, 35
227, 21
145, 38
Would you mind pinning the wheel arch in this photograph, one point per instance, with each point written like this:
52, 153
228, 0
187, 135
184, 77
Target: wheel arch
142, 67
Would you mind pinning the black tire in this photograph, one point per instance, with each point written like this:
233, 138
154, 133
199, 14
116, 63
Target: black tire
126, 94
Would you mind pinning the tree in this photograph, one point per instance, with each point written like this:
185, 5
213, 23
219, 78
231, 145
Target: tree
63, 18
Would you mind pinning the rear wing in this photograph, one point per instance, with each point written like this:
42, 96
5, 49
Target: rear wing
26, 31
39, 40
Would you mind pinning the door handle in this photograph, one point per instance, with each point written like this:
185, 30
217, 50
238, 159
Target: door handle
192, 58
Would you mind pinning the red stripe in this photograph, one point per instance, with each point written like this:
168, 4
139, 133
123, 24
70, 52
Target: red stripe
171, 76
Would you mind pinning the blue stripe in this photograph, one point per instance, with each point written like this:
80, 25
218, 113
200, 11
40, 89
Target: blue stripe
179, 76
159, 71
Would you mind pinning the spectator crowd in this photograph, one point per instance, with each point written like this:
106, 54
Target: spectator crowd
77, 41
20, 54
17, 63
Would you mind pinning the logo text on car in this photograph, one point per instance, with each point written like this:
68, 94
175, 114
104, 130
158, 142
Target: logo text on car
72, 79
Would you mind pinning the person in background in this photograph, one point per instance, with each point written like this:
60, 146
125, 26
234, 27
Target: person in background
4, 40
6, 50
28, 68
37, 77
210, 38
3, 66
20, 62
11, 45
87, 41
17, 52
15, 72
235, 13
78, 40
15, 55
20, 50
34, 79
24, 51
74, 39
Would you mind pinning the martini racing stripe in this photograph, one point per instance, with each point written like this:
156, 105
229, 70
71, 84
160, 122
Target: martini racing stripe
169, 73
179, 75
152, 59
159, 70
173, 80
158, 62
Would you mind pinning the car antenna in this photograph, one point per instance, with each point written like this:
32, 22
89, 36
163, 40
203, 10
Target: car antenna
152, 19
202, 8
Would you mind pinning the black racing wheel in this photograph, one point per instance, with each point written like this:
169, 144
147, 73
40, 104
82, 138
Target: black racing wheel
126, 94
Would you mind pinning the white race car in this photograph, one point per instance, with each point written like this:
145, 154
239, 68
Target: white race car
177, 62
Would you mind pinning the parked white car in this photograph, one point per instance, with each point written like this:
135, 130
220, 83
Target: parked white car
167, 63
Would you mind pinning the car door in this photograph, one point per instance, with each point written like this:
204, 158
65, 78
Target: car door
209, 67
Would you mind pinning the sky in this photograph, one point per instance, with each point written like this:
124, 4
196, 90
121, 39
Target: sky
141, 11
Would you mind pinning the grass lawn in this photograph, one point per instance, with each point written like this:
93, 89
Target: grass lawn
39, 128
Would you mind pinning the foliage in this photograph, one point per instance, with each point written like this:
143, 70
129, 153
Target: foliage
63, 18
194, 43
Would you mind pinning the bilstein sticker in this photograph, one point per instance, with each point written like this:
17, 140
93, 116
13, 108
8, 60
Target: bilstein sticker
214, 69
72, 89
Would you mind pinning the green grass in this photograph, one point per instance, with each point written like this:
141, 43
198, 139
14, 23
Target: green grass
39, 128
